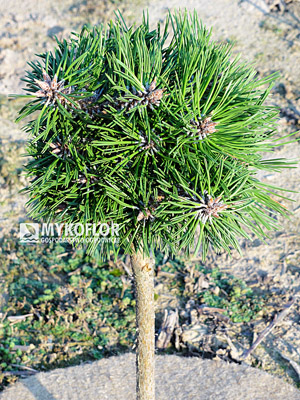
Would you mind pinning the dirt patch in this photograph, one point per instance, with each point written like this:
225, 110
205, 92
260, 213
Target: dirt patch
177, 378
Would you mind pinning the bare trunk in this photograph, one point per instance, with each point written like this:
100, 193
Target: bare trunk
144, 286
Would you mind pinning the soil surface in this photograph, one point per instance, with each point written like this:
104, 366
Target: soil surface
177, 378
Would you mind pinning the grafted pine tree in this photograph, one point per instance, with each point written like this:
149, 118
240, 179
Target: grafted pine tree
164, 140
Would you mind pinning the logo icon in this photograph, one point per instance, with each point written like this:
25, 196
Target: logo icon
29, 232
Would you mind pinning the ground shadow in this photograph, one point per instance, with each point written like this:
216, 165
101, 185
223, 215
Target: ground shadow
37, 389
295, 23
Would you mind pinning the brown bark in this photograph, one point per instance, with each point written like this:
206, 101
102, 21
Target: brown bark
143, 270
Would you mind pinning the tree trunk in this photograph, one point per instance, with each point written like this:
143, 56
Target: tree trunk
143, 270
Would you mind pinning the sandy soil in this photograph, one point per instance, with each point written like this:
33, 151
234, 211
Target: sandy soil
176, 378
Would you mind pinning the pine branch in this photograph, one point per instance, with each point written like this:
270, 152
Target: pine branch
164, 140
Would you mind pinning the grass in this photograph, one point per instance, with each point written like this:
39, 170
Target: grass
81, 309
219, 290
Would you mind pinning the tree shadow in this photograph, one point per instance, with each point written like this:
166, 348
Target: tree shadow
295, 24
37, 389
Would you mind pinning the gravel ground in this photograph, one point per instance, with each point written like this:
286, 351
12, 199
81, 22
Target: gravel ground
177, 379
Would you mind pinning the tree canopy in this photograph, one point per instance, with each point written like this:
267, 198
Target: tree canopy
163, 136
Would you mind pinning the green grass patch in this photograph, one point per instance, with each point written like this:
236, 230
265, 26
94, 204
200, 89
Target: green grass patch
221, 290
83, 309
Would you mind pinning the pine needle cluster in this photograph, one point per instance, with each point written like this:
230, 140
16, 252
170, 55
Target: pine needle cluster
164, 138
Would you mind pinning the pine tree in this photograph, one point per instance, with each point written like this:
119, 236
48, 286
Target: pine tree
164, 140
